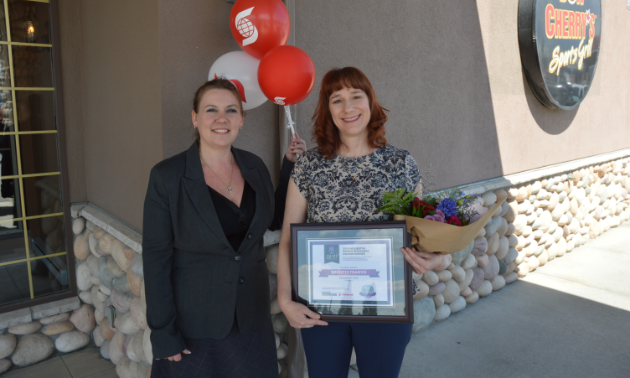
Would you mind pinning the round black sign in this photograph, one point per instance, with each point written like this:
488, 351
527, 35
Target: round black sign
559, 42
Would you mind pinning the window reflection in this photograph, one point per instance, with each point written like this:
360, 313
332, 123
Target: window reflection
9, 202
12, 246
46, 236
42, 195
27, 24
39, 153
32, 66
6, 100
5, 72
50, 275
8, 161
14, 283
29, 21
3, 25
35, 110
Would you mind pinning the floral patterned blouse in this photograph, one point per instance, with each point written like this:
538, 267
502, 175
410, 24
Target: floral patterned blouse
334, 196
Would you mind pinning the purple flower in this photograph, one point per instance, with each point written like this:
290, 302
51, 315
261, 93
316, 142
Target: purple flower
448, 206
438, 217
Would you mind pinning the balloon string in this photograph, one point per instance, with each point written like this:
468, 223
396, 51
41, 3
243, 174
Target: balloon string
287, 111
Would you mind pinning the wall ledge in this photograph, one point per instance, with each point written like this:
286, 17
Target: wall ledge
27, 315
483, 186
16, 317
127, 234
54, 308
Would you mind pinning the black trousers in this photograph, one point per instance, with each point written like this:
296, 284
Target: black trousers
250, 355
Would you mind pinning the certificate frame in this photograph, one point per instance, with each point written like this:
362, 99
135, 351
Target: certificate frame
395, 306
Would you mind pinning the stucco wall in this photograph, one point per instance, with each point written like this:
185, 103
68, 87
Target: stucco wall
121, 102
70, 46
450, 73
531, 135
192, 37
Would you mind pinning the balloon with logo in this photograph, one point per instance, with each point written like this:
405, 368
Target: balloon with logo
286, 76
242, 70
259, 25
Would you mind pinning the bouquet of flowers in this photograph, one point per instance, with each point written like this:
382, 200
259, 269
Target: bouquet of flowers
451, 207
430, 220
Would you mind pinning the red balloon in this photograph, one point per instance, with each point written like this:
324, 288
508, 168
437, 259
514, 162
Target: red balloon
286, 75
259, 25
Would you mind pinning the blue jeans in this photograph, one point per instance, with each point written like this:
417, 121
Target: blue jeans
380, 349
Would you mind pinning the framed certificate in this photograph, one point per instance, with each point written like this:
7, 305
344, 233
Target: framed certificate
352, 272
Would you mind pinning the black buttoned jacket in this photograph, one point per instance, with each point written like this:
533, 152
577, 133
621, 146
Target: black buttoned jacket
195, 282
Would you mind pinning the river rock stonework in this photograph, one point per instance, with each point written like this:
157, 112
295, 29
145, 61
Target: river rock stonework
112, 276
116, 286
7, 345
32, 349
540, 221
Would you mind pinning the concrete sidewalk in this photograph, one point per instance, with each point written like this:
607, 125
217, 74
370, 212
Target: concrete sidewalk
84, 363
570, 318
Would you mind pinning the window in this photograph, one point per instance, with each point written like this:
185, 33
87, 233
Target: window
33, 252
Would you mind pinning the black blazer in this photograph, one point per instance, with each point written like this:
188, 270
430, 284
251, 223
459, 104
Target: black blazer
195, 282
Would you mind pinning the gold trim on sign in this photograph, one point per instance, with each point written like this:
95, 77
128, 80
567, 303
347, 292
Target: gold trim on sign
30, 175
34, 258
25, 44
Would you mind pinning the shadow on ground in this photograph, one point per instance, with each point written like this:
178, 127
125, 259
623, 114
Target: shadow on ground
569, 318
525, 330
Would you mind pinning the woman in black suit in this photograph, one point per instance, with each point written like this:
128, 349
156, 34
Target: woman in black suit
206, 280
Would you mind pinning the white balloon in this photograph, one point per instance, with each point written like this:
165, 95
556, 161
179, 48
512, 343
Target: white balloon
242, 69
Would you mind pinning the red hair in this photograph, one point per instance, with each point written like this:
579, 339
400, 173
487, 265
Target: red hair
325, 133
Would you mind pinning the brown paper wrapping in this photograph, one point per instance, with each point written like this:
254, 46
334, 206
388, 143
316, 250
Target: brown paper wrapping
432, 236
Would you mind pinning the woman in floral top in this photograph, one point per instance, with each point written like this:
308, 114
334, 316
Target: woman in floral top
343, 179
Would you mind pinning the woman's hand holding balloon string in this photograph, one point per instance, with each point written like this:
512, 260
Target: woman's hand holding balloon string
296, 148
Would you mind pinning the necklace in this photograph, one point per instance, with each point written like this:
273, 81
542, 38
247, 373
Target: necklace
229, 184
354, 177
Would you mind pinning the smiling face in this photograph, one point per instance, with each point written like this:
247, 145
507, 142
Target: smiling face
219, 118
350, 111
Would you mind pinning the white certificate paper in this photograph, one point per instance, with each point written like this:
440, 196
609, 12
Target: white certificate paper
350, 271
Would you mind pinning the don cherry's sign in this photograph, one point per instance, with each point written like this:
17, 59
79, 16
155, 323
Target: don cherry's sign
559, 43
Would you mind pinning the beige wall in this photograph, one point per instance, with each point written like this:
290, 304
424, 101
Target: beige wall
130, 69
113, 110
70, 45
450, 73
426, 62
192, 37
531, 135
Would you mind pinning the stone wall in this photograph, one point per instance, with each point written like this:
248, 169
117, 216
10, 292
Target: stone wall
110, 280
31, 335
541, 220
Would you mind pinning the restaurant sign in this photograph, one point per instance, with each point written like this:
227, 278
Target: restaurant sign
559, 43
